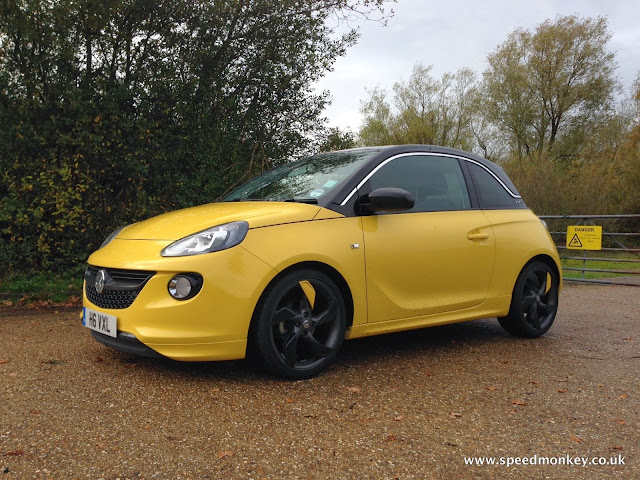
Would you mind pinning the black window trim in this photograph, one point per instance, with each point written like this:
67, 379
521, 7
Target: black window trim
471, 185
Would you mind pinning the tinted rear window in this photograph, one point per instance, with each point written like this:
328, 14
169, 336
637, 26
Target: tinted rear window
491, 193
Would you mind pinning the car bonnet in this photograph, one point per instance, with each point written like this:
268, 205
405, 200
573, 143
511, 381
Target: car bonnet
180, 223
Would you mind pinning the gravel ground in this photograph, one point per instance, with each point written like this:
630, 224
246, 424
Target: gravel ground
403, 406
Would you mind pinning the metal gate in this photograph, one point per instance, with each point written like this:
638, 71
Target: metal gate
620, 246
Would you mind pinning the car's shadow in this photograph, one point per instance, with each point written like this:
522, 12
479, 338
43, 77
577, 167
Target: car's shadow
357, 353
422, 340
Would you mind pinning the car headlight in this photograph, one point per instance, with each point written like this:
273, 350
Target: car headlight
209, 240
111, 236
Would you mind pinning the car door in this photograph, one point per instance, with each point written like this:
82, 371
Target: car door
436, 257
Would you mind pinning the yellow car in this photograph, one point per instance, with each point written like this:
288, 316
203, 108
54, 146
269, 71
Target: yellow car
331, 247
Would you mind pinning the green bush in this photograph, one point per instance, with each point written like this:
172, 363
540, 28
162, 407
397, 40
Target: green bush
114, 111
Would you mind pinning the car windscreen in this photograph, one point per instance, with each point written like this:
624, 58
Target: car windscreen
304, 180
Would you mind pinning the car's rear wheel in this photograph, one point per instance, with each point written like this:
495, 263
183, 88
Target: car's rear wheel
299, 325
534, 302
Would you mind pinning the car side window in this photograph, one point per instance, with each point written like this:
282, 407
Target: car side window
491, 194
436, 183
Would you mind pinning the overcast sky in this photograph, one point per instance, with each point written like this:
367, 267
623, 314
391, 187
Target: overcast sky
452, 34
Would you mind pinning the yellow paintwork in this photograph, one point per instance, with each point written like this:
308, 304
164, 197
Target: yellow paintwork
403, 271
179, 224
206, 327
309, 292
411, 255
322, 241
520, 237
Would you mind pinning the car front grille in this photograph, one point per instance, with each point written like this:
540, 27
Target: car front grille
120, 289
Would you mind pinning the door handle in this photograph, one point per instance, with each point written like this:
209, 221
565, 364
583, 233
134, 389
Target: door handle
477, 236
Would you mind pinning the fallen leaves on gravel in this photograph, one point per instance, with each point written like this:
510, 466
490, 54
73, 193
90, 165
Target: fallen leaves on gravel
39, 304
72, 301
15, 453
129, 362
54, 362
30, 303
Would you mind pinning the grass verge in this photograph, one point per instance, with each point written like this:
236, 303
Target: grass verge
20, 288
603, 260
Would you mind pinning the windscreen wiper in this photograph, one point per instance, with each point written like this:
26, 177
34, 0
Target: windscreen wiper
297, 200
247, 200
312, 201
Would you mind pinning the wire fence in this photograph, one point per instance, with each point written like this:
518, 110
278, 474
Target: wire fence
616, 262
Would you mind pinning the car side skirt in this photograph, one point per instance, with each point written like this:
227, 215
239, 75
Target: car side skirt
490, 308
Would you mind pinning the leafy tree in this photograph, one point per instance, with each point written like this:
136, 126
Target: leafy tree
546, 110
547, 90
630, 155
378, 119
336, 139
116, 110
425, 110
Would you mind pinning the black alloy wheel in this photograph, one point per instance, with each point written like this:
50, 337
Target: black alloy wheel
534, 302
300, 325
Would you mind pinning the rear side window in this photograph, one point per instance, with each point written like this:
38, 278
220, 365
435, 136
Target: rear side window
491, 193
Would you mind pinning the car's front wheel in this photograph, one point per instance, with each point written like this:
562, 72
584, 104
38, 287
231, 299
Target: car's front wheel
534, 302
299, 325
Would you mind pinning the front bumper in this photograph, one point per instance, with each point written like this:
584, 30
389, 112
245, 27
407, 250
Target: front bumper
213, 325
125, 342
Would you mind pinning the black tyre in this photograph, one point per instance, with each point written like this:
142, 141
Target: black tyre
299, 325
534, 302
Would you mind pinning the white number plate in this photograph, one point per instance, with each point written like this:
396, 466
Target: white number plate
100, 322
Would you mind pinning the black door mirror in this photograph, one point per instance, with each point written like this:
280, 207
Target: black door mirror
387, 199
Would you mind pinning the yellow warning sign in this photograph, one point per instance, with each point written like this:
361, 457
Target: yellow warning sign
584, 237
